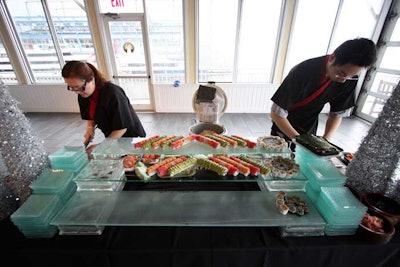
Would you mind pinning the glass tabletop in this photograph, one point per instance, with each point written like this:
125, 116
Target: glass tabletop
191, 208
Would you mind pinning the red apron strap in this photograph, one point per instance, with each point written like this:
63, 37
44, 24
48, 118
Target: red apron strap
325, 81
307, 100
93, 103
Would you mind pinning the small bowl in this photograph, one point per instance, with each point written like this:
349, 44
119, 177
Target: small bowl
383, 205
213, 127
376, 237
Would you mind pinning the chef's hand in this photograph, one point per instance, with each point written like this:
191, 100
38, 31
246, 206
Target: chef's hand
89, 151
89, 136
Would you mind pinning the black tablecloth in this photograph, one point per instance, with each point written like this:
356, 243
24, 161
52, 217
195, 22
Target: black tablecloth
194, 246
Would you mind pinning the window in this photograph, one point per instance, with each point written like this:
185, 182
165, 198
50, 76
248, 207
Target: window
165, 23
318, 33
7, 74
311, 31
72, 29
356, 19
48, 46
256, 51
237, 40
385, 75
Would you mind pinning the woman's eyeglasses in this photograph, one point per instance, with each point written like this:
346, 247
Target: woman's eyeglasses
75, 89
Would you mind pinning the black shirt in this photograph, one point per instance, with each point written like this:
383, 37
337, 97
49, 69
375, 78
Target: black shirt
113, 112
303, 80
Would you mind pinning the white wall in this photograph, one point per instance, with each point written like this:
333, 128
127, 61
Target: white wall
44, 98
242, 98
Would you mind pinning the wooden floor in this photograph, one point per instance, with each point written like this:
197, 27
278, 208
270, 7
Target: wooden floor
59, 129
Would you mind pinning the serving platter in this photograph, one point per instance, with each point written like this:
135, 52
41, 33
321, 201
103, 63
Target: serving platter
318, 145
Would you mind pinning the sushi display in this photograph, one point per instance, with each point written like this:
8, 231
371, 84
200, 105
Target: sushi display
156, 152
272, 143
214, 140
283, 167
291, 204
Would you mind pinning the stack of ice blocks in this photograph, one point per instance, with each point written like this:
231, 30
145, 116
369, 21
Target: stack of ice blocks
304, 155
33, 217
342, 211
102, 174
70, 158
55, 181
320, 171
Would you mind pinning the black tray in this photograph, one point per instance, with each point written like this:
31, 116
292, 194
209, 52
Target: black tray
318, 145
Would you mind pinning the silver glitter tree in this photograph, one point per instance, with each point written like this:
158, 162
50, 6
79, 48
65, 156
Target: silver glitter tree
23, 154
375, 164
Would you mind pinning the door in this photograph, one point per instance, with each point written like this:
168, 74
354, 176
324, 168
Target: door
129, 56
385, 75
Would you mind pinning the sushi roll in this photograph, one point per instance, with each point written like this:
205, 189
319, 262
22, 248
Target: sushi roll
288, 198
302, 203
182, 166
275, 172
300, 211
207, 140
306, 209
153, 169
283, 209
296, 199
254, 170
279, 202
142, 144
168, 142
213, 166
280, 195
232, 170
227, 139
290, 174
292, 208
249, 143
282, 174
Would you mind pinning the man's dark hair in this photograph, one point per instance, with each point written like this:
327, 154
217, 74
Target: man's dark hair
360, 52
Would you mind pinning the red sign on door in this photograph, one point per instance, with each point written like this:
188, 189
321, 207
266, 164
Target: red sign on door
117, 3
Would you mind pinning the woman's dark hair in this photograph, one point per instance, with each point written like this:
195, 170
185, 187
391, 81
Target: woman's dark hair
360, 52
84, 71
